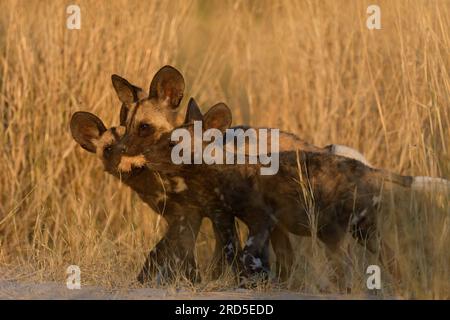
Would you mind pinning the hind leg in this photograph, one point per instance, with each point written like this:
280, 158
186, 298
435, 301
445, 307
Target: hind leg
332, 237
373, 242
339, 257
283, 251
389, 261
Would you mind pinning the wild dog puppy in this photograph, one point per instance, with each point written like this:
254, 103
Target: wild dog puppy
147, 117
339, 194
175, 252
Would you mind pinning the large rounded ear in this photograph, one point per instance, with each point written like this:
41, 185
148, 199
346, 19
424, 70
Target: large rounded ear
168, 83
218, 117
193, 112
86, 128
126, 92
123, 114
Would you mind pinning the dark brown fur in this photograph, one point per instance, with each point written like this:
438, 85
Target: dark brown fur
149, 111
147, 118
175, 252
341, 195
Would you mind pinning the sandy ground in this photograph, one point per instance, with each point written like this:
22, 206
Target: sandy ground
15, 289
11, 289
14, 285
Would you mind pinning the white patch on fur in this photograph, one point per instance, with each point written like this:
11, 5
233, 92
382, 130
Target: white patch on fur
357, 218
229, 249
107, 138
152, 114
167, 185
161, 197
348, 152
439, 184
159, 277
127, 163
120, 131
249, 242
376, 200
180, 185
256, 263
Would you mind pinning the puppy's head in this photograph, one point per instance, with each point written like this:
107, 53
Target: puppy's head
149, 116
176, 146
91, 134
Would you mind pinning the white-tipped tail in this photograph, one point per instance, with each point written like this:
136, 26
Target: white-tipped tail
348, 152
430, 183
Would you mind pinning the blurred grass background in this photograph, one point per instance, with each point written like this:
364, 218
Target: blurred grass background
309, 67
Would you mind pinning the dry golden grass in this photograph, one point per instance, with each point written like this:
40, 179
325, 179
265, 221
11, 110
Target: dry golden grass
309, 67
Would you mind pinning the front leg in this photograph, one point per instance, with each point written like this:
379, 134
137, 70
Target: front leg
284, 253
159, 262
174, 254
255, 256
227, 247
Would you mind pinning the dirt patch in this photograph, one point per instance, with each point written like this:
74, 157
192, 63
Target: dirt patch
13, 289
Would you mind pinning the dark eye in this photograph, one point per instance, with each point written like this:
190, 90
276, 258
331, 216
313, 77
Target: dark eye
107, 151
145, 129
